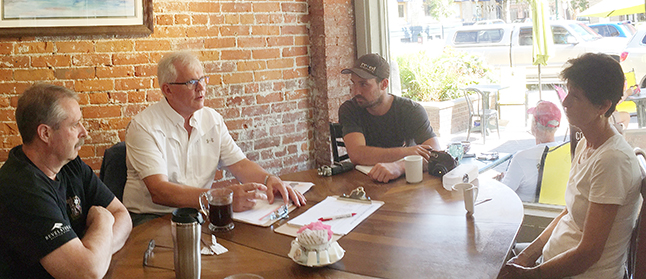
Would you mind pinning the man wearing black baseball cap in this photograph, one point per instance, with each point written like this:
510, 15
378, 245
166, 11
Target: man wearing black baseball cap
379, 128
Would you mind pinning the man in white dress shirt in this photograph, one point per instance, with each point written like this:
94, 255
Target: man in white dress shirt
175, 147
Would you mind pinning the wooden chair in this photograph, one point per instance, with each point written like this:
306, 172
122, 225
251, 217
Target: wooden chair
553, 174
636, 265
336, 138
478, 111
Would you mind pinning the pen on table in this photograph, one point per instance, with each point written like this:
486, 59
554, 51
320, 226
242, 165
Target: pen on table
482, 201
323, 219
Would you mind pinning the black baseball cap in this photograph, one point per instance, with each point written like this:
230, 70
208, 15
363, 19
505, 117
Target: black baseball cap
370, 66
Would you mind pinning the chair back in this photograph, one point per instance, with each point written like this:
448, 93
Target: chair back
336, 138
553, 174
113, 169
473, 102
636, 266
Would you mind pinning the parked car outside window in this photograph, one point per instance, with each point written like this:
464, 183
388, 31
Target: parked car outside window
614, 29
633, 58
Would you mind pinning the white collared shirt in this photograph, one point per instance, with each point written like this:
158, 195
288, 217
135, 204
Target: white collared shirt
157, 143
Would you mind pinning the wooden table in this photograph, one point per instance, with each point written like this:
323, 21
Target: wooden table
422, 231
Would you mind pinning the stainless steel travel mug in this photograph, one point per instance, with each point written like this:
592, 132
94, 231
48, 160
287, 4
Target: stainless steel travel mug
186, 227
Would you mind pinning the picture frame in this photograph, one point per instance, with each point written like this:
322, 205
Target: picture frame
18, 18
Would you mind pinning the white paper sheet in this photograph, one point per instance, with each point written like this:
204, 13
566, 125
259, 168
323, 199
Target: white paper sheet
332, 206
259, 214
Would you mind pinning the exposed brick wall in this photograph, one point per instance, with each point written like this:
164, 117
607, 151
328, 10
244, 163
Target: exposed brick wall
333, 49
257, 53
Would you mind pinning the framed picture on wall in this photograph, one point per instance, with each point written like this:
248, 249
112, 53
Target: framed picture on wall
20, 18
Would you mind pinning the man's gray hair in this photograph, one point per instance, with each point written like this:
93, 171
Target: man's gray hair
166, 68
40, 104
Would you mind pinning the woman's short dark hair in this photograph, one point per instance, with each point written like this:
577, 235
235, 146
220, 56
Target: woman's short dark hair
40, 104
599, 76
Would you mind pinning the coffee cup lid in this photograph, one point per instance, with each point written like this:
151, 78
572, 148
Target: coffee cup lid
187, 215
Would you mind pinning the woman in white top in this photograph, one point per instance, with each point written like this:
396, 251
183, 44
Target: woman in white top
590, 238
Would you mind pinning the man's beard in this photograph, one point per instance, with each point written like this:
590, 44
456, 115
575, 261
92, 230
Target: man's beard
367, 104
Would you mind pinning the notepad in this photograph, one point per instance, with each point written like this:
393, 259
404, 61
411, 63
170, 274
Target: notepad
333, 206
261, 213
364, 169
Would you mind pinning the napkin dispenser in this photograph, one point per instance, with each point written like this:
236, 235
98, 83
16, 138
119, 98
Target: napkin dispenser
461, 173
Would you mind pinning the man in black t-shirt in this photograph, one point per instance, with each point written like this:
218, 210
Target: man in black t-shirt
380, 129
58, 219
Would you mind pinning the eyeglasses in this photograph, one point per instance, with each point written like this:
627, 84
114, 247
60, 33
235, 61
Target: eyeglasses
149, 254
192, 83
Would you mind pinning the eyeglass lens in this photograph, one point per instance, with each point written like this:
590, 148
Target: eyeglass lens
192, 83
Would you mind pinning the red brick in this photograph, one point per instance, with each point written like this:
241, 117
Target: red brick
164, 20
232, 19
252, 42
269, 98
294, 51
98, 98
280, 63
129, 58
91, 60
266, 53
152, 45
87, 151
251, 65
50, 61
200, 19
280, 41
132, 110
169, 32
267, 75
297, 94
198, 31
219, 42
265, 7
236, 30
102, 111
293, 30
146, 70
234, 78
240, 101
301, 40
5, 101
74, 47
32, 75
114, 71
261, 30
182, 19
5, 48
118, 97
235, 7
247, 19
6, 74
204, 7
238, 124
154, 95
133, 83
93, 85
74, 73
114, 46
7, 114
295, 73
256, 110
235, 54
14, 62
294, 7
13, 88
268, 19
137, 97
36, 47
267, 143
